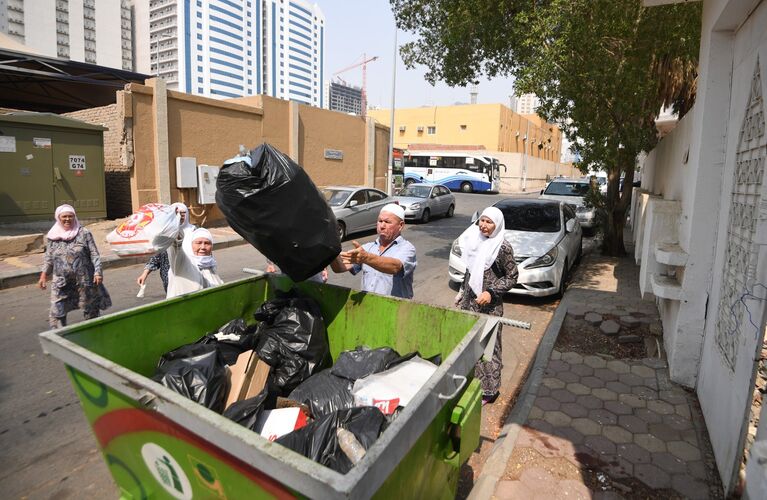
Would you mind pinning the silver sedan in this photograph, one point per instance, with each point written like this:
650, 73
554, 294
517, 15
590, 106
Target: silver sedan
423, 201
356, 207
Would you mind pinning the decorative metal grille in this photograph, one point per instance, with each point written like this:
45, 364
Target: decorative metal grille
739, 267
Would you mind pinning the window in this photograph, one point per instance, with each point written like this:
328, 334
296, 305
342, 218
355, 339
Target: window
199, 68
431, 130
199, 36
359, 197
199, 79
199, 58
374, 196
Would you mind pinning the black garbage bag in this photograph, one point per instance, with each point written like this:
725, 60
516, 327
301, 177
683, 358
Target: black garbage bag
363, 361
292, 339
272, 203
324, 393
196, 371
318, 441
247, 411
232, 339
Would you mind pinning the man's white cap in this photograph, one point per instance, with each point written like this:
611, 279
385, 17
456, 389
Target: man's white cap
394, 209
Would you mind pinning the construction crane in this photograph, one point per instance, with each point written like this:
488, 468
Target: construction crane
363, 63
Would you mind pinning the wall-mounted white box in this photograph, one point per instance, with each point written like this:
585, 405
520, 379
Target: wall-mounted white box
186, 172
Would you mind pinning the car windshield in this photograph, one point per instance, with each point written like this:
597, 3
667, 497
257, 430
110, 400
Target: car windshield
567, 189
416, 191
336, 197
536, 218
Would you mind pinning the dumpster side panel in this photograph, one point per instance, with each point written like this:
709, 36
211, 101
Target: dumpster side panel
137, 338
150, 456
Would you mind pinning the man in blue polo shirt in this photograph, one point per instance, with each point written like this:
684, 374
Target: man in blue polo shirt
387, 264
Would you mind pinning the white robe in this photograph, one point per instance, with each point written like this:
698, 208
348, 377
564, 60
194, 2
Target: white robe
184, 276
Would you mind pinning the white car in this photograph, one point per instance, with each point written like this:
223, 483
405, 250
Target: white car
547, 241
572, 191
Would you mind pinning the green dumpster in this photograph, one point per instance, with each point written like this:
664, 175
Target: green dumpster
158, 444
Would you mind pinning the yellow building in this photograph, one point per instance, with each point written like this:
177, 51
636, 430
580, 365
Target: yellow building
493, 127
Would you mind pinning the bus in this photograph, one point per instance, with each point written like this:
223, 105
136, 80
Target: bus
467, 172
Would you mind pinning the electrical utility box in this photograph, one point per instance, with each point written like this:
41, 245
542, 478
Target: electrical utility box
47, 160
206, 191
186, 172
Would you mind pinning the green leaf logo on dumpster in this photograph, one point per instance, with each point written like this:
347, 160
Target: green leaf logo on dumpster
166, 471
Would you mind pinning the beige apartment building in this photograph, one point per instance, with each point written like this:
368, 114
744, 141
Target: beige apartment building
493, 127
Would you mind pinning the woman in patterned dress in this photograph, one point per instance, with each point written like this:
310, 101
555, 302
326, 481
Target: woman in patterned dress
72, 260
490, 273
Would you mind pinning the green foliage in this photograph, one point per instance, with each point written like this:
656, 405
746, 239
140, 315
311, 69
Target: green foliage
601, 68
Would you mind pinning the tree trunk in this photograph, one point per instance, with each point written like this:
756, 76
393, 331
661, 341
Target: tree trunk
617, 203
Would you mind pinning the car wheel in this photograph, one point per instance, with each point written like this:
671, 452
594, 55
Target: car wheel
580, 252
466, 187
409, 182
450, 211
425, 216
341, 228
563, 282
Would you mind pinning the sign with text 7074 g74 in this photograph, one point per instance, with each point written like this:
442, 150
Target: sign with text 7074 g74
76, 162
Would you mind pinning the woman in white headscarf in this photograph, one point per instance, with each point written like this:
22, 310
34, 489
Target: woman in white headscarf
192, 265
490, 273
73, 263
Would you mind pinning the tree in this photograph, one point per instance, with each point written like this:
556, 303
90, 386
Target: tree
602, 69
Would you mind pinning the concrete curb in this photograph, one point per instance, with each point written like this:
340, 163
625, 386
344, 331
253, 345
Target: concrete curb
30, 276
495, 466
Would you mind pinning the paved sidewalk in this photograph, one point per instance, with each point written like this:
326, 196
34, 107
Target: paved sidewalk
599, 417
25, 269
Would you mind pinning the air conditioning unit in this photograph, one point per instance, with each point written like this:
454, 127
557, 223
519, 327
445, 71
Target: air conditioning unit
420, 129
402, 128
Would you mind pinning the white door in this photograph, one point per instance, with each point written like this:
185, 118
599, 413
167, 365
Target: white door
735, 319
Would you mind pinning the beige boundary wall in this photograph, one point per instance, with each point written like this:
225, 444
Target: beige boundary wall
162, 124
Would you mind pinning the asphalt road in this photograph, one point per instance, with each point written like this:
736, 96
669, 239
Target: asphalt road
48, 450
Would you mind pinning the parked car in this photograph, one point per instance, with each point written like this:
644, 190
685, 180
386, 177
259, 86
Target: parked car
572, 191
356, 207
547, 241
423, 201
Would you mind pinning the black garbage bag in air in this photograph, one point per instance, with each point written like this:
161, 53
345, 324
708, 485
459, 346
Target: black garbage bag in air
232, 339
324, 393
196, 371
318, 440
363, 361
292, 339
247, 411
272, 203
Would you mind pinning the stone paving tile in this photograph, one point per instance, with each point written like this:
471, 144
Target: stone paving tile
677, 422
573, 410
669, 463
618, 387
563, 396
538, 480
652, 383
586, 426
600, 444
632, 424
643, 371
557, 418
616, 434
590, 402
604, 394
675, 397
689, 487
648, 416
661, 407
606, 375
664, 432
683, 411
569, 434
697, 469
652, 476
634, 453
592, 382
535, 413
578, 389
568, 377
582, 370
543, 391
631, 379
547, 403
607, 495
558, 365
690, 436
650, 443
569, 488
618, 467
540, 425
618, 408
618, 366
603, 417
632, 400
684, 450
572, 358
553, 383
556, 354
594, 362
644, 392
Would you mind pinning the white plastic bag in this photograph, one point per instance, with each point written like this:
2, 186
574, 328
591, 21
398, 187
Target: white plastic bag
399, 383
152, 229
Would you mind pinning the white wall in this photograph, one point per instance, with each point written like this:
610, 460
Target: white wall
109, 34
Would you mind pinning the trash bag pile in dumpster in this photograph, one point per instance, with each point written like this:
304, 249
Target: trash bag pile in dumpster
271, 202
275, 378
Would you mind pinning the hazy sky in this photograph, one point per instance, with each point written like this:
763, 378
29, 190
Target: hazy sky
367, 26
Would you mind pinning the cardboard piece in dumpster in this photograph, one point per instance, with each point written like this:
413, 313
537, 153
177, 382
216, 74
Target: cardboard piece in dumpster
248, 376
273, 424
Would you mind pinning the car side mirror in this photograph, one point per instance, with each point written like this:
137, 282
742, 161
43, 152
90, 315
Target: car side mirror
542, 191
353, 203
570, 226
474, 217
433, 195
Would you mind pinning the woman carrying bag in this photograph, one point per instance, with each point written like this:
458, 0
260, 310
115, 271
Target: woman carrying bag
490, 273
